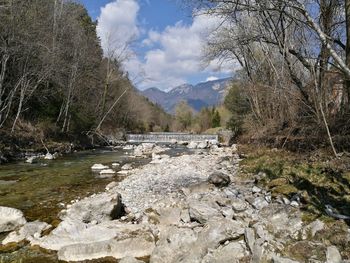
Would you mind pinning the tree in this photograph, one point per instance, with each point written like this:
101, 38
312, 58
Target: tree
216, 119
183, 115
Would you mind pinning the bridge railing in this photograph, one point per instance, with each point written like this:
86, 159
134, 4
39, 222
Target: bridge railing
170, 137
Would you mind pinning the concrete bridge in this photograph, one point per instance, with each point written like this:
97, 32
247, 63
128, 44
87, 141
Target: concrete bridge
168, 137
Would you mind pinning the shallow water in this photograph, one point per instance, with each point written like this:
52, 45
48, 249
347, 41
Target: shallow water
40, 190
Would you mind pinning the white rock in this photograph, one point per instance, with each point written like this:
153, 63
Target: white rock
333, 255
28, 232
111, 185
115, 164
128, 147
259, 203
10, 219
49, 156
139, 246
202, 145
107, 171
98, 167
256, 189
127, 166
192, 145
32, 159
294, 204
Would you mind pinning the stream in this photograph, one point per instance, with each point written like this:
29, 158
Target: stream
42, 189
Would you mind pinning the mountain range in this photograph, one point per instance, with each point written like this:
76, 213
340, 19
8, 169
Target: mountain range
204, 94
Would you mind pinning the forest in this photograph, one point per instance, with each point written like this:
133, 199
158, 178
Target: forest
294, 59
55, 82
291, 86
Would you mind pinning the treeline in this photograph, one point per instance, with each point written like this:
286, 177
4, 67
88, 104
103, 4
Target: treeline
206, 120
295, 68
55, 81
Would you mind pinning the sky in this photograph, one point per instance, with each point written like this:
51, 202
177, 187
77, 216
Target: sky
160, 43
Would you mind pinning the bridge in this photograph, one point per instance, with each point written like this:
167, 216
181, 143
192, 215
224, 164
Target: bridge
169, 137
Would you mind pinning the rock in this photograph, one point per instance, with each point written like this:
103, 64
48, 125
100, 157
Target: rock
128, 147
49, 156
230, 253
219, 179
115, 165
130, 260
32, 159
277, 259
10, 219
173, 245
202, 145
256, 189
192, 145
313, 227
294, 204
99, 208
201, 211
123, 173
185, 216
27, 232
127, 166
259, 203
249, 235
333, 255
111, 185
139, 246
98, 167
286, 201
108, 173
239, 205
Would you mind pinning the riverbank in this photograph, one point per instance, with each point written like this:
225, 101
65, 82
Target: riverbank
19, 146
198, 208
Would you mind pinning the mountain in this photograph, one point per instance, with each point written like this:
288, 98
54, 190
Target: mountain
210, 93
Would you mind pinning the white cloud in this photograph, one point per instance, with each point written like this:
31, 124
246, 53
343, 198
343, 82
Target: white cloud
211, 78
172, 56
179, 53
117, 25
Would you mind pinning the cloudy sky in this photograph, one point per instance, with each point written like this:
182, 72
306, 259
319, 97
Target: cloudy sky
160, 43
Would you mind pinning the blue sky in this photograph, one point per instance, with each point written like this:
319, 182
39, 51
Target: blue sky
159, 41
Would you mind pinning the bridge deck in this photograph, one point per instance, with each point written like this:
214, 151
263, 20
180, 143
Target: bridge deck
170, 137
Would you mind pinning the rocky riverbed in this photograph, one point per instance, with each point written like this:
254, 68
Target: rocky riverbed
190, 208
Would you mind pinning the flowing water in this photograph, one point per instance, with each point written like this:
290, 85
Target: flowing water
42, 189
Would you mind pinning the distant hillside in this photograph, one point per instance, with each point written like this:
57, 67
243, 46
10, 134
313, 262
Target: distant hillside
204, 94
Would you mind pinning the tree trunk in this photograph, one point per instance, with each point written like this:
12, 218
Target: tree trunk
347, 49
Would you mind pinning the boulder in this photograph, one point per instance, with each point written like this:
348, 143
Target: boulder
192, 145
219, 179
127, 166
230, 253
10, 219
333, 255
259, 203
173, 245
202, 211
99, 167
239, 205
99, 208
202, 145
27, 232
128, 147
50, 156
108, 173
139, 245
32, 159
